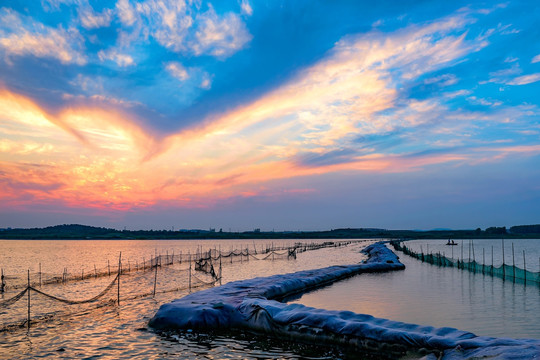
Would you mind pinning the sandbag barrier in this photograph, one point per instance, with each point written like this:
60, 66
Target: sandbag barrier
254, 306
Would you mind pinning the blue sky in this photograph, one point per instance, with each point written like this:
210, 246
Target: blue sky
276, 114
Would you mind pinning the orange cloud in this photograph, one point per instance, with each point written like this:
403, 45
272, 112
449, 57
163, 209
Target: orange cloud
100, 156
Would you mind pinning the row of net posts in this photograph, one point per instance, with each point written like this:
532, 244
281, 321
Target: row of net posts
203, 261
505, 271
154, 263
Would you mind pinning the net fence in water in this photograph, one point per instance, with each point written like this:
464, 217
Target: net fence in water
44, 296
504, 271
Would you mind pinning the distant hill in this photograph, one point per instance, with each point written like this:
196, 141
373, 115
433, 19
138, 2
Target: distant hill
525, 229
76, 231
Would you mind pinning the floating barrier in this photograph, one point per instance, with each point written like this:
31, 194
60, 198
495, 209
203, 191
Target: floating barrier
254, 305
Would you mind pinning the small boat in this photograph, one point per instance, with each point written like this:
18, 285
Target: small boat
451, 242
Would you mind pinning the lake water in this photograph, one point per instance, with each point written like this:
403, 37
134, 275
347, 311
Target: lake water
87, 331
430, 295
422, 294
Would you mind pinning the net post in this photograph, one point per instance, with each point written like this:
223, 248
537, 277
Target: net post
503, 267
513, 263
119, 273
189, 272
109, 266
155, 281
2, 284
39, 274
492, 264
28, 289
95, 271
525, 267
220, 268
483, 259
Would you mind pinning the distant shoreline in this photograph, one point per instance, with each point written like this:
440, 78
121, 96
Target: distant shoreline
83, 232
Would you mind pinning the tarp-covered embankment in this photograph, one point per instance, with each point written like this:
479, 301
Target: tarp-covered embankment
252, 305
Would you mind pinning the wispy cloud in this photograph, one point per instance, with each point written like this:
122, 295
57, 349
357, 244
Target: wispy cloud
182, 28
122, 60
177, 70
90, 19
246, 7
535, 59
442, 80
21, 36
525, 79
219, 36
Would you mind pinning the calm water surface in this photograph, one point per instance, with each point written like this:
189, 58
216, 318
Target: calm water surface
121, 332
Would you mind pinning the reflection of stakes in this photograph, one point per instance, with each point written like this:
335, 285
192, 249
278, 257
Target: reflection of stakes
2, 284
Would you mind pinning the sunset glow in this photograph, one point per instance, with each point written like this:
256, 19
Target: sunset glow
115, 111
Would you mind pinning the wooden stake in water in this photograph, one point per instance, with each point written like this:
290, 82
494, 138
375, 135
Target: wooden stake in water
513, 263
95, 270
2, 284
109, 266
155, 282
119, 272
504, 270
28, 289
492, 265
462, 254
525, 267
39, 274
190, 272
483, 259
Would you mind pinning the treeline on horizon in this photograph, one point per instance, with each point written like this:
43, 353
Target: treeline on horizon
75, 231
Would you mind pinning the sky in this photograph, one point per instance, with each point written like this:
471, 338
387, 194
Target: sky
278, 115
